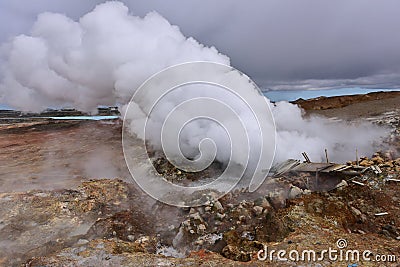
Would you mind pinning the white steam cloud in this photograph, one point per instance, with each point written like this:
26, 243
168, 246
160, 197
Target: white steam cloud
98, 60
102, 58
296, 134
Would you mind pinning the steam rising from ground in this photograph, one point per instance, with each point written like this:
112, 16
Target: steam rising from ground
102, 58
296, 134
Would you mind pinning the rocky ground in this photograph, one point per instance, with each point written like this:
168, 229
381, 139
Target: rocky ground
53, 214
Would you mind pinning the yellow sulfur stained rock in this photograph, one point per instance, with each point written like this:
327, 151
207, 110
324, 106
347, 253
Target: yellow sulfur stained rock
366, 163
378, 160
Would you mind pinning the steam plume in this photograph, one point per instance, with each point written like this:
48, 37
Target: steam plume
102, 58
98, 60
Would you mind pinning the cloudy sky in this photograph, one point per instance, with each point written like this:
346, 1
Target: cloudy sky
280, 44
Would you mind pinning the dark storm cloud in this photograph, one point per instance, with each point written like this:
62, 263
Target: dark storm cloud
281, 44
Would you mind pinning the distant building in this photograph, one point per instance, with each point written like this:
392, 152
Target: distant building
10, 113
108, 111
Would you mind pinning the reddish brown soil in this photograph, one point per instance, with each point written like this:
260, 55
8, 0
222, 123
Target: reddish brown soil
55, 155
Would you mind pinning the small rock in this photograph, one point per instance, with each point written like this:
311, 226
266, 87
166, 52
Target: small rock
131, 238
306, 192
199, 242
391, 229
378, 160
294, 192
234, 253
341, 185
277, 200
316, 205
218, 206
146, 244
196, 216
192, 210
385, 232
82, 242
142, 240
355, 211
366, 163
186, 223
363, 218
220, 216
265, 204
257, 210
201, 228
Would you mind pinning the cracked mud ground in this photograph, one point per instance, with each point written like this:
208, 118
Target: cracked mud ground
52, 214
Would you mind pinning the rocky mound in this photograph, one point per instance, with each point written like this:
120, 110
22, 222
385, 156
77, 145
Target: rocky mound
322, 103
